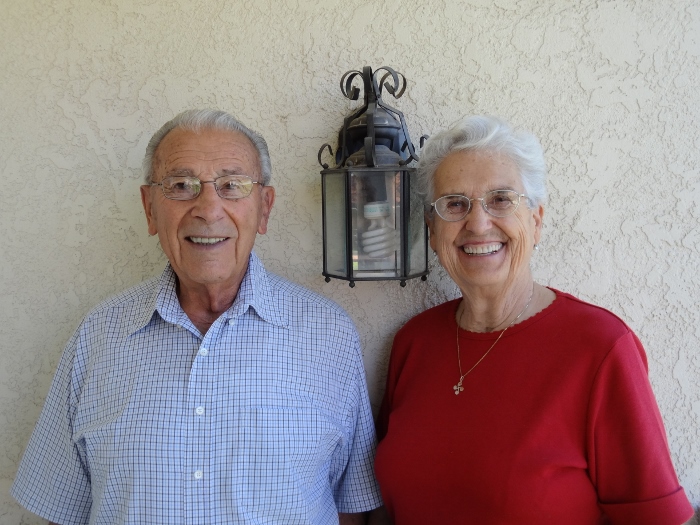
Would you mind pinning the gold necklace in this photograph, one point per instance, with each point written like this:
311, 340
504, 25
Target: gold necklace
458, 387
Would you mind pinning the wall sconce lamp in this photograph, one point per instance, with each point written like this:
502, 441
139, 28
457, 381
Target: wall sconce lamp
373, 226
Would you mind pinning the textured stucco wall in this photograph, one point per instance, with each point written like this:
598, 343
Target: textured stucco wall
608, 86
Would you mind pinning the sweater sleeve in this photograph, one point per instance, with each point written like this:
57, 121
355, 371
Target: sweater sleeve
629, 459
396, 358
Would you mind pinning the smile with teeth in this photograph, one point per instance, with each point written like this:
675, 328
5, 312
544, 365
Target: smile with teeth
483, 249
207, 240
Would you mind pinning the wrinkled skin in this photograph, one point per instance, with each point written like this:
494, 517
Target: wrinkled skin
209, 274
497, 282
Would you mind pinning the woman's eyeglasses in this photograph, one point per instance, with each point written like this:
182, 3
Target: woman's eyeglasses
499, 203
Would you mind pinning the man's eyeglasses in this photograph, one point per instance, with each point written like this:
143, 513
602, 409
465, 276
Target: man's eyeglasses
188, 187
499, 203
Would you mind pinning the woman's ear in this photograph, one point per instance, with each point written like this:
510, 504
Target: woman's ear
538, 214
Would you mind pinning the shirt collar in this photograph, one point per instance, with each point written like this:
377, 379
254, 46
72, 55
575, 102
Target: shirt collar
254, 291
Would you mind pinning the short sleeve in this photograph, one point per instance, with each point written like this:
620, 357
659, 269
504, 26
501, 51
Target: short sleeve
629, 459
355, 486
52, 480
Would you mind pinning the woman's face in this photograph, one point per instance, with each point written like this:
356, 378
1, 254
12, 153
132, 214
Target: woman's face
481, 250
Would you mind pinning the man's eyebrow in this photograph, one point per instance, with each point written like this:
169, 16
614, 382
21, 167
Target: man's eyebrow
182, 172
186, 172
233, 171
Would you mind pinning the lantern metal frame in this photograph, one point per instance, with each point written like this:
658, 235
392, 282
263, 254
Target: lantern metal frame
360, 155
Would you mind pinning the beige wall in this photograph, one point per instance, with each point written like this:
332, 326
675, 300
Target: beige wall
610, 87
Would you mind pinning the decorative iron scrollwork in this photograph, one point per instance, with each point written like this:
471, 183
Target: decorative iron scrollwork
348, 90
330, 150
393, 90
373, 115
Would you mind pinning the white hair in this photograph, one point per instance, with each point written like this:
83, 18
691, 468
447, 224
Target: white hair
199, 119
486, 133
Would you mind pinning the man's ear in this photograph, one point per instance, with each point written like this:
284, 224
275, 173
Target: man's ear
148, 208
267, 196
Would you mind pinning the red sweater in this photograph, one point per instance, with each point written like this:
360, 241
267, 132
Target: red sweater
557, 425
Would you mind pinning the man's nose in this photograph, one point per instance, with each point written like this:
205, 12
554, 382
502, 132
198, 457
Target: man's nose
208, 204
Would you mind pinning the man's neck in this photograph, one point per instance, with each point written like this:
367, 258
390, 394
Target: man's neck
204, 304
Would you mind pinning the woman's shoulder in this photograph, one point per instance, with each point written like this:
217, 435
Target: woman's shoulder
430, 321
440, 312
587, 316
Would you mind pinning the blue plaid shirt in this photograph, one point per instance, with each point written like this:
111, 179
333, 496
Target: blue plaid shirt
264, 419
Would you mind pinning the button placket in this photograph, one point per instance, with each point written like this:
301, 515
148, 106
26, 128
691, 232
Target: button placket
200, 391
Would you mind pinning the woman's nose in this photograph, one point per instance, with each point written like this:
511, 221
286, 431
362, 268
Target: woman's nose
478, 219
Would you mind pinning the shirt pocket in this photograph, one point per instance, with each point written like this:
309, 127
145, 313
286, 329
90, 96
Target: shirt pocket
286, 455
98, 423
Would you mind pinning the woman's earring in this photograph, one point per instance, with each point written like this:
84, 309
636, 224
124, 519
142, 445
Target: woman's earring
537, 247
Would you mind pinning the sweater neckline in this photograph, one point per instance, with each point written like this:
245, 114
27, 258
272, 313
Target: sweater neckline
516, 328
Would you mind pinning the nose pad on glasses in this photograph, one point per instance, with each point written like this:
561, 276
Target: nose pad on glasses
202, 188
477, 217
473, 204
483, 207
207, 205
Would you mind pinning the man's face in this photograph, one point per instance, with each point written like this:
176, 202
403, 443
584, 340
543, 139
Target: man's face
208, 239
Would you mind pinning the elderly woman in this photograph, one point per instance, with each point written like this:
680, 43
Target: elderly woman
517, 403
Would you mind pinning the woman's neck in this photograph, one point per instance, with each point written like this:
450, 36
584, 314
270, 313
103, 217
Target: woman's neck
491, 310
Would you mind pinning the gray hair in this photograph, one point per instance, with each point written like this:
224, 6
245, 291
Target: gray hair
198, 119
485, 134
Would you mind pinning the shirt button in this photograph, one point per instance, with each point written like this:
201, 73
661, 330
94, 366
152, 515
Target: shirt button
199, 411
198, 474
231, 322
203, 351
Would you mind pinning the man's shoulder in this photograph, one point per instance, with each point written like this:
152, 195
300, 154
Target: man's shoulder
135, 298
292, 294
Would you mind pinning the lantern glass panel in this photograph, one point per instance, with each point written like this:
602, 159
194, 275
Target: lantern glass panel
417, 261
334, 213
376, 223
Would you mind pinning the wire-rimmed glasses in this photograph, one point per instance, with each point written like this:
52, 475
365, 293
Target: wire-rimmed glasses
499, 203
188, 187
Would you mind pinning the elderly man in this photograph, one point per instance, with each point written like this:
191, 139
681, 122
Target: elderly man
217, 393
